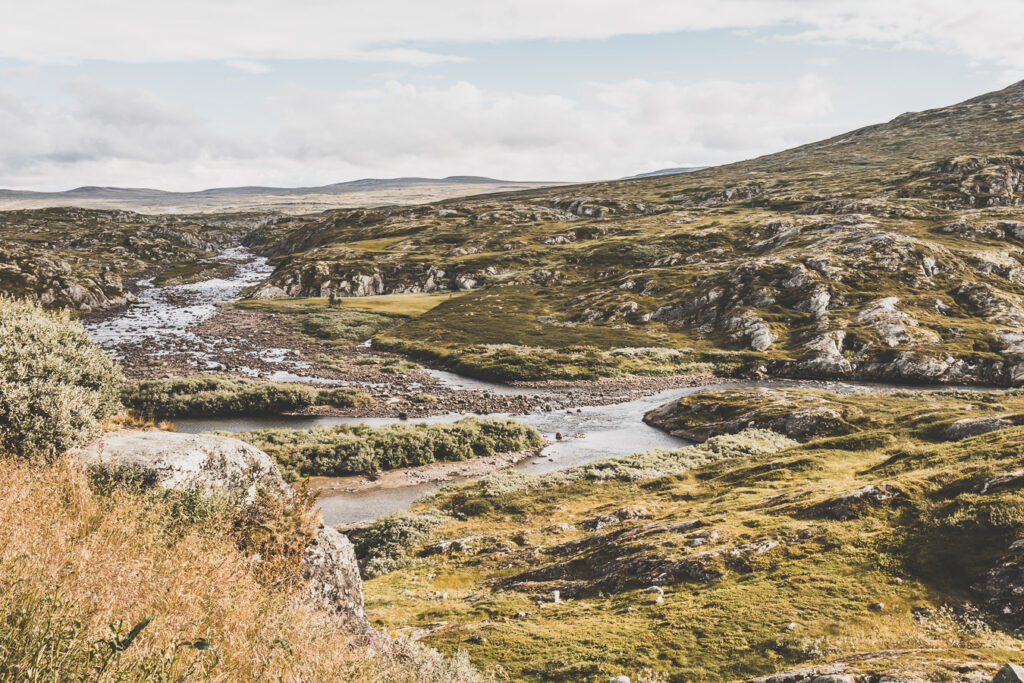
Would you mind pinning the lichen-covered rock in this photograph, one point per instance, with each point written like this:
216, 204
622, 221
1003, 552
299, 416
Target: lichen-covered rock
183, 461
331, 572
1010, 673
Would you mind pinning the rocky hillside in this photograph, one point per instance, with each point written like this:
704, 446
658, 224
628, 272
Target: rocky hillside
891, 251
861, 537
85, 259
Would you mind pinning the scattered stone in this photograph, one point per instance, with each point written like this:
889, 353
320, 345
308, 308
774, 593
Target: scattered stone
853, 503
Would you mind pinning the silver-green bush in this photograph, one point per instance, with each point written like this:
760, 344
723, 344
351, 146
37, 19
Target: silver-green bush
55, 382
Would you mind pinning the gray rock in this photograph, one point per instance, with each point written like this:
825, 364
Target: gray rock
183, 461
331, 573
220, 464
974, 426
804, 675
619, 679
847, 505
1001, 481
1010, 673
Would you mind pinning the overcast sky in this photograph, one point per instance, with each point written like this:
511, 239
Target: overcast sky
190, 94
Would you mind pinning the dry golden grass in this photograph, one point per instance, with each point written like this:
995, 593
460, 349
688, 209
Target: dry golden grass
72, 564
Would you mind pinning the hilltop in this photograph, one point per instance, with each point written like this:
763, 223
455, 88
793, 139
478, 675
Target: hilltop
893, 251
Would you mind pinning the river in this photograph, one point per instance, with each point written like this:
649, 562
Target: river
588, 433
163, 320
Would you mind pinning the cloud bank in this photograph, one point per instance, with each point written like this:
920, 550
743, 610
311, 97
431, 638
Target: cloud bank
131, 137
98, 134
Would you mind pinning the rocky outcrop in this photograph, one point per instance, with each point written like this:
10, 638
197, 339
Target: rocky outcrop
797, 417
237, 469
184, 461
854, 503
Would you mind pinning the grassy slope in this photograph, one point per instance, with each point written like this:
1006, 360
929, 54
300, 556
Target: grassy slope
923, 549
111, 562
552, 275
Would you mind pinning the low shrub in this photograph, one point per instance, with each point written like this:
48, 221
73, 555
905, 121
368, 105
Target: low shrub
388, 544
357, 449
344, 397
339, 324
56, 384
216, 395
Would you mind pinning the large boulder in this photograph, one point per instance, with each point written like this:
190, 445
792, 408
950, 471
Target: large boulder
183, 461
224, 465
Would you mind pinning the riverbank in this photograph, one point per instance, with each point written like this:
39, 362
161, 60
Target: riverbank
437, 472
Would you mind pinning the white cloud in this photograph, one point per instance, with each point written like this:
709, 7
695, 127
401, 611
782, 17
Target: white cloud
248, 65
409, 30
130, 137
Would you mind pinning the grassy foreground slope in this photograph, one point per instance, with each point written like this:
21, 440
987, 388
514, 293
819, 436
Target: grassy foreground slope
891, 251
880, 537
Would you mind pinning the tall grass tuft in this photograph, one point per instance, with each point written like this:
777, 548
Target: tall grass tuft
131, 586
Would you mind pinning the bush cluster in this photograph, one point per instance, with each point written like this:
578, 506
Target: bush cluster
339, 324
357, 449
215, 395
56, 384
387, 544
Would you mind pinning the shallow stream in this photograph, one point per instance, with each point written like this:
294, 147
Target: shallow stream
163, 319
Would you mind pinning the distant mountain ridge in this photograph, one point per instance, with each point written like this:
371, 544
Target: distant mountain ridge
353, 193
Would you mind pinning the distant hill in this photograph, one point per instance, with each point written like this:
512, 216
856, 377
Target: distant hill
356, 193
666, 171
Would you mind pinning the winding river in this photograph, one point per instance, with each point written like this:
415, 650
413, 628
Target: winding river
164, 318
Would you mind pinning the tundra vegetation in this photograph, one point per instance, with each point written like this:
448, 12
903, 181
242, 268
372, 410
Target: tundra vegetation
358, 449
877, 531
893, 251
219, 395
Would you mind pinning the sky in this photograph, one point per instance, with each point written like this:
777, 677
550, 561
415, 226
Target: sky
191, 94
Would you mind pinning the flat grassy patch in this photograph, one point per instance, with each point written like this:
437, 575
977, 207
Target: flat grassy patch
405, 305
196, 271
